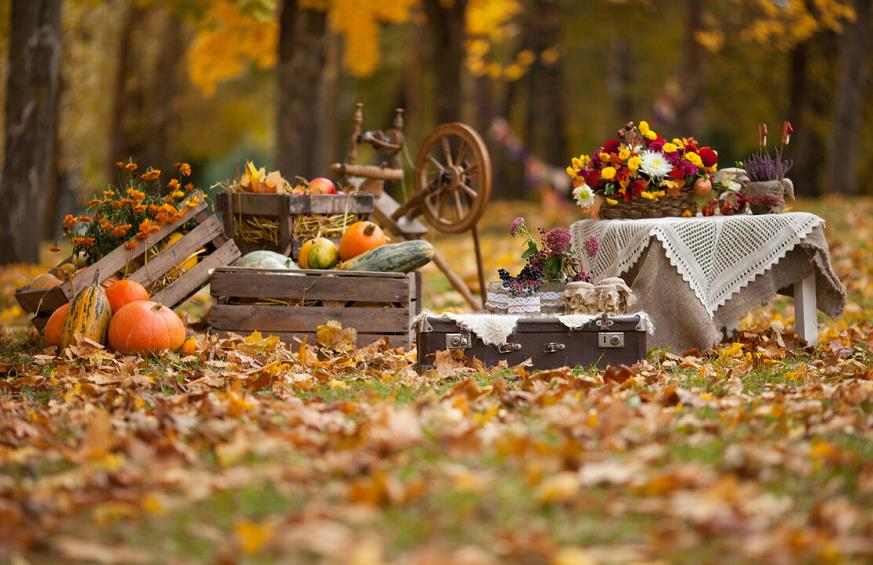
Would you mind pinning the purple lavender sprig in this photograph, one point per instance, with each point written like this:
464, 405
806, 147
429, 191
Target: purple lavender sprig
764, 167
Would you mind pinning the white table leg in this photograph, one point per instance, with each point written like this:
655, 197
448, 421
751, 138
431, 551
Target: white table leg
805, 310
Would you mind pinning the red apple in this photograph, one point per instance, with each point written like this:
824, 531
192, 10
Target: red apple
321, 185
702, 187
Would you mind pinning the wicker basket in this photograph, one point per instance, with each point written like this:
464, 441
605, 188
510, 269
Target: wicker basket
665, 207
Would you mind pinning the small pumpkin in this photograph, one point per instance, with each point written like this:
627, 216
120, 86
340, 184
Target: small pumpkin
124, 292
144, 326
45, 281
55, 325
89, 315
189, 347
263, 259
361, 237
303, 253
323, 254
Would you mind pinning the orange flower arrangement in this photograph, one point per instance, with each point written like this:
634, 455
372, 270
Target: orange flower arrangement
130, 213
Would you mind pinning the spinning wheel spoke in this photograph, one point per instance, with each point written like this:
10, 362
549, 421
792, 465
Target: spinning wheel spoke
462, 149
469, 190
459, 205
436, 163
447, 150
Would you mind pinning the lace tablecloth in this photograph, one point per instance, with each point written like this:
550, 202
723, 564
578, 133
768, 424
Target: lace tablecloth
725, 263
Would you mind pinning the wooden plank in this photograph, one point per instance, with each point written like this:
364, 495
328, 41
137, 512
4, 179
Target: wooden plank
290, 285
220, 238
805, 316
328, 204
317, 272
251, 204
286, 226
294, 338
40, 299
195, 279
267, 317
168, 258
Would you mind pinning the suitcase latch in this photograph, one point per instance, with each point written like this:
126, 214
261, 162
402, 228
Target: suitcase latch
509, 347
610, 340
458, 341
554, 347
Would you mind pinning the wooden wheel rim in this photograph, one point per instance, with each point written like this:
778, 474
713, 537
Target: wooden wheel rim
464, 184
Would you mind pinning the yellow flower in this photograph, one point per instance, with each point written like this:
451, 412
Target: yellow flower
608, 173
624, 154
679, 143
694, 158
634, 163
584, 159
651, 136
669, 148
644, 127
571, 171
605, 157
611, 201
647, 195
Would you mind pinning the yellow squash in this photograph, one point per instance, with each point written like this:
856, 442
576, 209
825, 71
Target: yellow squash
89, 315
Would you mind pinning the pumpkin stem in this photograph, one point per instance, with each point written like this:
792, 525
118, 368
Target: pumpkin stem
96, 278
371, 227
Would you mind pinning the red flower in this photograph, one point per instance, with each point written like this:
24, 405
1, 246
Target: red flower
592, 177
708, 156
611, 146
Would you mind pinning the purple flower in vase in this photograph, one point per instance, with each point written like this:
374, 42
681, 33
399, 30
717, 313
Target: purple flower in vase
558, 240
516, 225
688, 168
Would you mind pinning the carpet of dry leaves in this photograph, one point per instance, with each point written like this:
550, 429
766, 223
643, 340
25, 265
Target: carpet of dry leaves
250, 451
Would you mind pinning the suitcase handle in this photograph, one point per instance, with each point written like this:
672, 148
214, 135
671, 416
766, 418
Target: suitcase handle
553, 347
509, 347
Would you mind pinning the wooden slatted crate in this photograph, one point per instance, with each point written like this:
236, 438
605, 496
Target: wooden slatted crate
292, 304
208, 234
283, 213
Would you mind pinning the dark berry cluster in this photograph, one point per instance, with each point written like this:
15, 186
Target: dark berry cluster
525, 283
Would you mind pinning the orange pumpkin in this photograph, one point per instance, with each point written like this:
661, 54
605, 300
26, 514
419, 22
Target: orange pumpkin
124, 292
145, 327
55, 326
361, 237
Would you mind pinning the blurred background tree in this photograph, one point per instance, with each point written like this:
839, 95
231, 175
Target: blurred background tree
215, 82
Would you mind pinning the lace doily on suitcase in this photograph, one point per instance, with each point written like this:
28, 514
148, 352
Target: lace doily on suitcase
717, 256
495, 329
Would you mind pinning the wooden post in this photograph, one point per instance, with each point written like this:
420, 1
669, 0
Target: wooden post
805, 308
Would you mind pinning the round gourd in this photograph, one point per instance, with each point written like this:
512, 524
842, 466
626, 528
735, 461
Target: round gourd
323, 254
89, 315
45, 281
265, 260
145, 327
124, 292
303, 253
55, 326
394, 257
360, 237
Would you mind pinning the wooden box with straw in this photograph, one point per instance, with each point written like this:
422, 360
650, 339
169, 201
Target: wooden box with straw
283, 222
172, 263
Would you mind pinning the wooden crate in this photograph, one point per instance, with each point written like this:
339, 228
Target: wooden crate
208, 233
286, 209
376, 304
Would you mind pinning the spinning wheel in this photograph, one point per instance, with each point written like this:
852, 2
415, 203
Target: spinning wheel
452, 178
452, 184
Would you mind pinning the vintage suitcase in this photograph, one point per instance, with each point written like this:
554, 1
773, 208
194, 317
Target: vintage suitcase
612, 340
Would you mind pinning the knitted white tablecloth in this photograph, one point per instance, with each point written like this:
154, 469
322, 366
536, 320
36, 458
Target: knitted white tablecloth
717, 256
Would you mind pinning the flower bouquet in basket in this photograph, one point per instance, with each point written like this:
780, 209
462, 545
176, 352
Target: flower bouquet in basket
550, 264
642, 175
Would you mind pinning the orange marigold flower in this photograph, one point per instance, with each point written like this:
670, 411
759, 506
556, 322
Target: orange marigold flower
139, 208
173, 184
151, 174
130, 244
131, 166
109, 193
121, 231
69, 221
193, 202
95, 202
189, 187
177, 194
184, 168
120, 164
85, 219
83, 241
54, 248
136, 194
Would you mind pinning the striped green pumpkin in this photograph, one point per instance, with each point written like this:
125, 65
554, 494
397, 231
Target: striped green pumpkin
394, 257
89, 315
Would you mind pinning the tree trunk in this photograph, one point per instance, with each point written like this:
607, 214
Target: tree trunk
691, 74
798, 110
447, 23
850, 103
145, 87
31, 119
301, 62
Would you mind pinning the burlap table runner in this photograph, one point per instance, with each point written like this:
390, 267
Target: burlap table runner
690, 317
